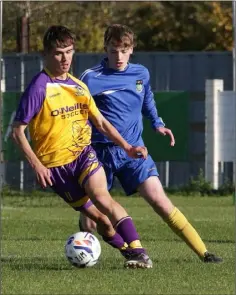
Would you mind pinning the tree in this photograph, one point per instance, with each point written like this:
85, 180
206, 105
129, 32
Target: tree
180, 26
159, 26
79, 16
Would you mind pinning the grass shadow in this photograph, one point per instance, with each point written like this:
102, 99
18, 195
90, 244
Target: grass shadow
16, 263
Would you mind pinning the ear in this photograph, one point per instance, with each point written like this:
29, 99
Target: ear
131, 50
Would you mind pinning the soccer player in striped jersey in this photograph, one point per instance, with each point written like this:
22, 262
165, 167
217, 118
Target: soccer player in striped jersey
57, 107
123, 95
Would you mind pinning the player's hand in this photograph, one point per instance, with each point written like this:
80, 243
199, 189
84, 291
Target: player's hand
43, 175
165, 131
137, 152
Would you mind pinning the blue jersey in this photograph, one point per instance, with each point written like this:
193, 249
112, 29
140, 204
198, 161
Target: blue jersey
122, 97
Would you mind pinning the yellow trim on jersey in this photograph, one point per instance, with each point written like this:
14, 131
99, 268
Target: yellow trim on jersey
87, 171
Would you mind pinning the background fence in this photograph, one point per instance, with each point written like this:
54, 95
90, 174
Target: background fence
178, 79
174, 71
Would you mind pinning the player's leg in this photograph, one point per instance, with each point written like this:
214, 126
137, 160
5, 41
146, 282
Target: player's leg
104, 227
86, 223
68, 188
91, 177
96, 188
150, 188
103, 153
152, 191
66, 185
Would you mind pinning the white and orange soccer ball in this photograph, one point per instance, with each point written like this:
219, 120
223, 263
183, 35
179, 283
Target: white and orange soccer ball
82, 249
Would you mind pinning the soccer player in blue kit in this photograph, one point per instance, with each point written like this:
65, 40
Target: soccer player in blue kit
123, 95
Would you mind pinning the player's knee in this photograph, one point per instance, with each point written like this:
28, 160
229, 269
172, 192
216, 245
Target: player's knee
103, 201
91, 226
161, 204
87, 224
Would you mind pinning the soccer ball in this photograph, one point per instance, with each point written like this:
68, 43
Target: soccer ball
82, 249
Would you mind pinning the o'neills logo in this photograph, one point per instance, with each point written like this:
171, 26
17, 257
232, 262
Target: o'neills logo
78, 108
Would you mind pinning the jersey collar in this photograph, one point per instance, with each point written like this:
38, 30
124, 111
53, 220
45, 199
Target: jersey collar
46, 70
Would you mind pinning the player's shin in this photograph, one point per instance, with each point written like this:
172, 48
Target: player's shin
123, 235
180, 225
126, 229
109, 235
116, 241
135, 254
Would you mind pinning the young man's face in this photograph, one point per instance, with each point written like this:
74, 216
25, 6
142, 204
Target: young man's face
58, 60
118, 56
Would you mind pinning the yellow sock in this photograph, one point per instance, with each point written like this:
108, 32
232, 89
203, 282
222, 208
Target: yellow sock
135, 244
180, 225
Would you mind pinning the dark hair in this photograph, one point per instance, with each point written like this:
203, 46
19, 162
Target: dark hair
117, 33
58, 36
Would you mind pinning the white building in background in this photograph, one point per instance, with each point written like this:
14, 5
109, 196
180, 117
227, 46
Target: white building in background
220, 130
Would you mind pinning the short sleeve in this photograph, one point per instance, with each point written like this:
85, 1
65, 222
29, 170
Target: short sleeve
93, 110
30, 103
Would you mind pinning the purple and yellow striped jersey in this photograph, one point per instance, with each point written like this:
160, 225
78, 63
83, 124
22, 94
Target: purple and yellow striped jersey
57, 112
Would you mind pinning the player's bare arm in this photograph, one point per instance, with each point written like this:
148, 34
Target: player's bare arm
165, 131
105, 127
42, 173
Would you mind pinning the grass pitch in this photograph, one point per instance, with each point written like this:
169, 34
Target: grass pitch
35, 228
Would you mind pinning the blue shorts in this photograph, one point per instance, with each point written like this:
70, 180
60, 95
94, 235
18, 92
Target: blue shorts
130, 172
68, 180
